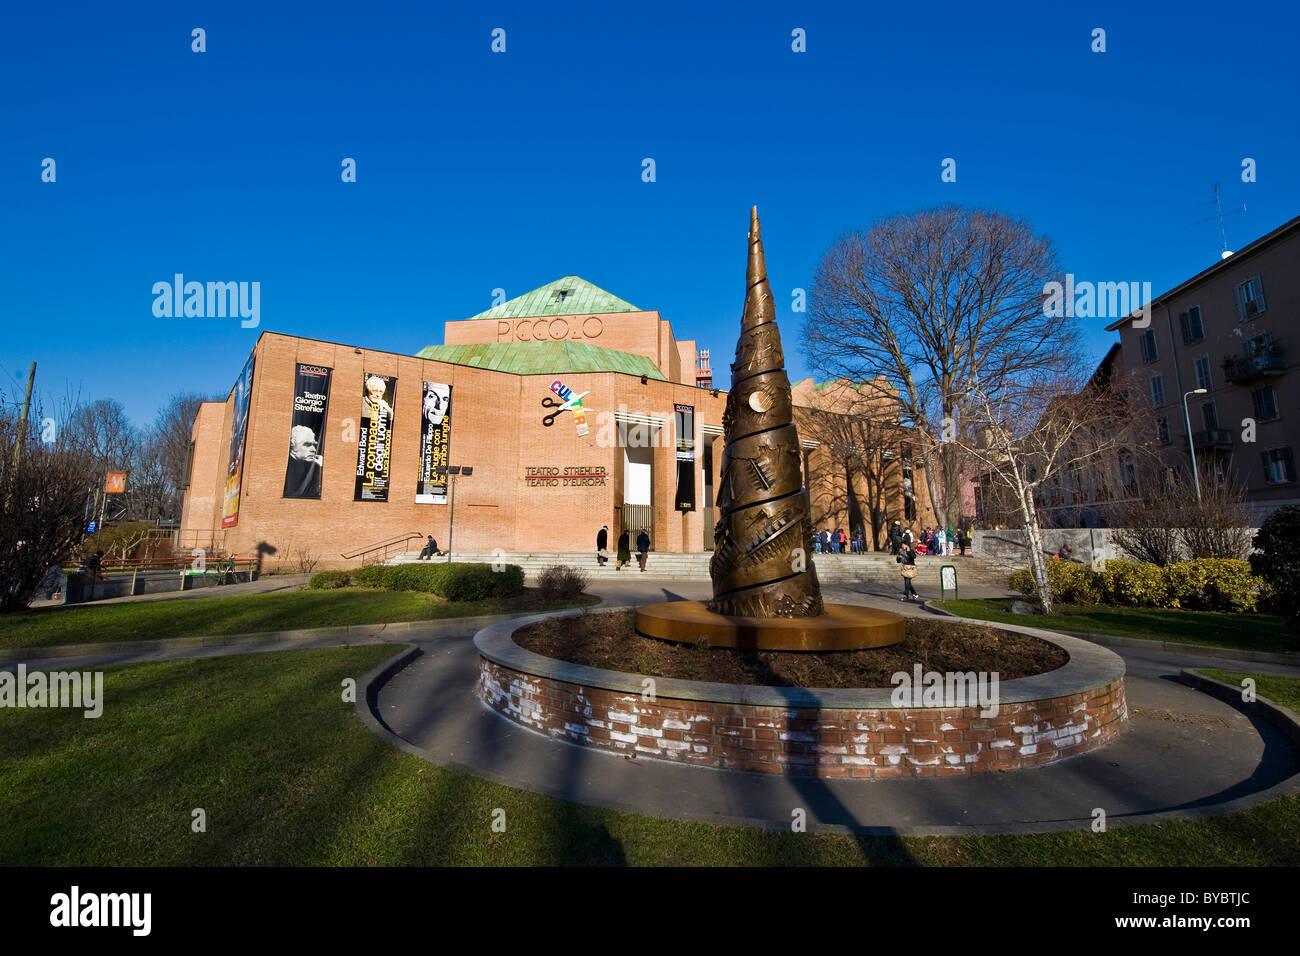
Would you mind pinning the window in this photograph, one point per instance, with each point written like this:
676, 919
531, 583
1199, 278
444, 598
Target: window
189, 465
1279, 466
1211, 416
1193, 329
1162, 430
1250, 298
1265, 403
1157, 390
1203, 372
1148, 342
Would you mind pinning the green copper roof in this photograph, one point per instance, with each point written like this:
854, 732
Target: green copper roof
542, 358
568, 296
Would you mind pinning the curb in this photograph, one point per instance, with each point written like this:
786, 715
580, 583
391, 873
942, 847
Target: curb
1114, 640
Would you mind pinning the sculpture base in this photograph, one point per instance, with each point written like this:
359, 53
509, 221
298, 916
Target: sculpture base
843, 627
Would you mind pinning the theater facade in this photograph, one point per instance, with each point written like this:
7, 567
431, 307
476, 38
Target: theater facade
563, 410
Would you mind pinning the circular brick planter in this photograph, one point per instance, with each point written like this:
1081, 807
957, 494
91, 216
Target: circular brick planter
824, 732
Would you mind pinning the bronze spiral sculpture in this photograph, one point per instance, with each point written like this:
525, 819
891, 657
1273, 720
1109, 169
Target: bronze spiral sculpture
765, 591
762, 564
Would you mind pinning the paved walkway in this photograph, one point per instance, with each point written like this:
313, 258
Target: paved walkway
266, 584
1185, 753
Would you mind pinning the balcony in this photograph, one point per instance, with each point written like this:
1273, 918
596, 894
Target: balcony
1212, 439
1242, 369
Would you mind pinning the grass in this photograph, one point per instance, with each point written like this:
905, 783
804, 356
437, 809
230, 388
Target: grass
1280, 690
1256, 632
288, 774
193, 617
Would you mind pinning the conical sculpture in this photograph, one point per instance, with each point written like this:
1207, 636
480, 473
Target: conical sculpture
762, 564
765, 591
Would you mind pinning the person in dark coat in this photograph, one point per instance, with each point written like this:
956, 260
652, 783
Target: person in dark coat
642, 548
895, 538
602, 543
907, 558
430, 549
624, 551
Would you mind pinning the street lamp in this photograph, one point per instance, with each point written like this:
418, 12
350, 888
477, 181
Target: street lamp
1191, 447
453, 471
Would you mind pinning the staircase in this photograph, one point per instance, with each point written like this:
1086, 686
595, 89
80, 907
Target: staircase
841, 569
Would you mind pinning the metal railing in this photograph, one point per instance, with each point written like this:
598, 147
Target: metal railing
397, 543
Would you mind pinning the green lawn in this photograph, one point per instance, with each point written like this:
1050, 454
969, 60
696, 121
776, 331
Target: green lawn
192, 617
1256, 632
288, 774
1280, 690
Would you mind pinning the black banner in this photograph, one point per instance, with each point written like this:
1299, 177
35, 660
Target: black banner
684, 429
375, 440
311, 402
435, 444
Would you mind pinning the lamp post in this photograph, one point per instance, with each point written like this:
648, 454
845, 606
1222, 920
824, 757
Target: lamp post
1191, 446
453, 471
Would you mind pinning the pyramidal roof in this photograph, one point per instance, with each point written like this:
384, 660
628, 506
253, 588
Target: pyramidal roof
543, 358
571, 295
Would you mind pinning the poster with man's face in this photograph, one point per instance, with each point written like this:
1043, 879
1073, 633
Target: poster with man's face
311, 396
375, 439
435, 444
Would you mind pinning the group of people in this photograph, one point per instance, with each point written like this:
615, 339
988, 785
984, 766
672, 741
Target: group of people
941, 541
624, 552
837, 542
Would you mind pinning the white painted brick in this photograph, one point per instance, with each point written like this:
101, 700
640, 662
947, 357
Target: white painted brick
1031, 749
700, 748
953, 758
798, 736
830, 749
674, 744
895, 760
670, 724
626, 738
859, 761
647, 732
893, 749
926, 762
1001, 744
622, 716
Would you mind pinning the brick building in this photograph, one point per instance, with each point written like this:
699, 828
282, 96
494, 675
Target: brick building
478, 402
1231, 330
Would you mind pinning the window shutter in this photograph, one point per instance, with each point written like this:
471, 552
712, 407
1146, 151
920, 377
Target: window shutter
1185, 322
1257, 284
1258, 399
1288, 460
1263, 455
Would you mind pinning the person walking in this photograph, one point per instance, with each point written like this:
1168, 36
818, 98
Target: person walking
939, 543
907, 558
642, 548
895, 538
602, 544
963, 538
951, 540
624, 550
52, 583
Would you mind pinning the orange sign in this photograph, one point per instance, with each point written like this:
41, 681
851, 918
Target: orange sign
116, 483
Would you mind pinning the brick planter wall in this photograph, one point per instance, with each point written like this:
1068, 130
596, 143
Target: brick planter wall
797, 739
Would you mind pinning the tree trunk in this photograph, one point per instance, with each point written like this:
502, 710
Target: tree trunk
1037, 566
932, 485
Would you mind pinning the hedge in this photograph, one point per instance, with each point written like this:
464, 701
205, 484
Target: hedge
1205, 584
455, 582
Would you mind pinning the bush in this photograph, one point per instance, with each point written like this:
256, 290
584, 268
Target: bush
1070, 583
1212, 584
1135, 584
371, 576
474, 582
415, 577
561, 582
330, 579
1277, 560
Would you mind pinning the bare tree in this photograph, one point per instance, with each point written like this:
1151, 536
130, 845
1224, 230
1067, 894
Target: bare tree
1051, 423
938, 302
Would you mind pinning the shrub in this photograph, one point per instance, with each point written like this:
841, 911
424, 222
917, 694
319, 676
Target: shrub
331, 579
371, 576
1277, 560
1135, 584
1070, 583
1212, 584
561, 582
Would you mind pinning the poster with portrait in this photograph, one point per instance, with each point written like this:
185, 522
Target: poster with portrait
311, 401
684, 429
243, 393
375, 437
435, 444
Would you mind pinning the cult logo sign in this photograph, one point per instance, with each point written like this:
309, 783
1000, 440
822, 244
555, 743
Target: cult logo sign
568, 402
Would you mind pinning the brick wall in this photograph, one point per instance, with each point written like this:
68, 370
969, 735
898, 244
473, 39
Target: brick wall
823, 743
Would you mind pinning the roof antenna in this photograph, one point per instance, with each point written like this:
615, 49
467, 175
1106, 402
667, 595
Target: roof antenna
1219, 214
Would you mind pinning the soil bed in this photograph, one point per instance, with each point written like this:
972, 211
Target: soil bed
610, 641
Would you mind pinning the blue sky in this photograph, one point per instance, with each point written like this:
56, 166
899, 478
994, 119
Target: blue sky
478, 170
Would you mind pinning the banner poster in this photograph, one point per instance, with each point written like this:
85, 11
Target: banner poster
684, 429
435, 444
235, 470
311, 402
375, 438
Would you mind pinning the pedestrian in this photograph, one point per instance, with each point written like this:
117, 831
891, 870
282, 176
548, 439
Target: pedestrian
895, 538
963, 539
53, 581
950, 542
602, 544
642, 548
624, 551
909, 539
907, 558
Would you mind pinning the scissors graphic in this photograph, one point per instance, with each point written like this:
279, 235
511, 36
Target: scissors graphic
571, 405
